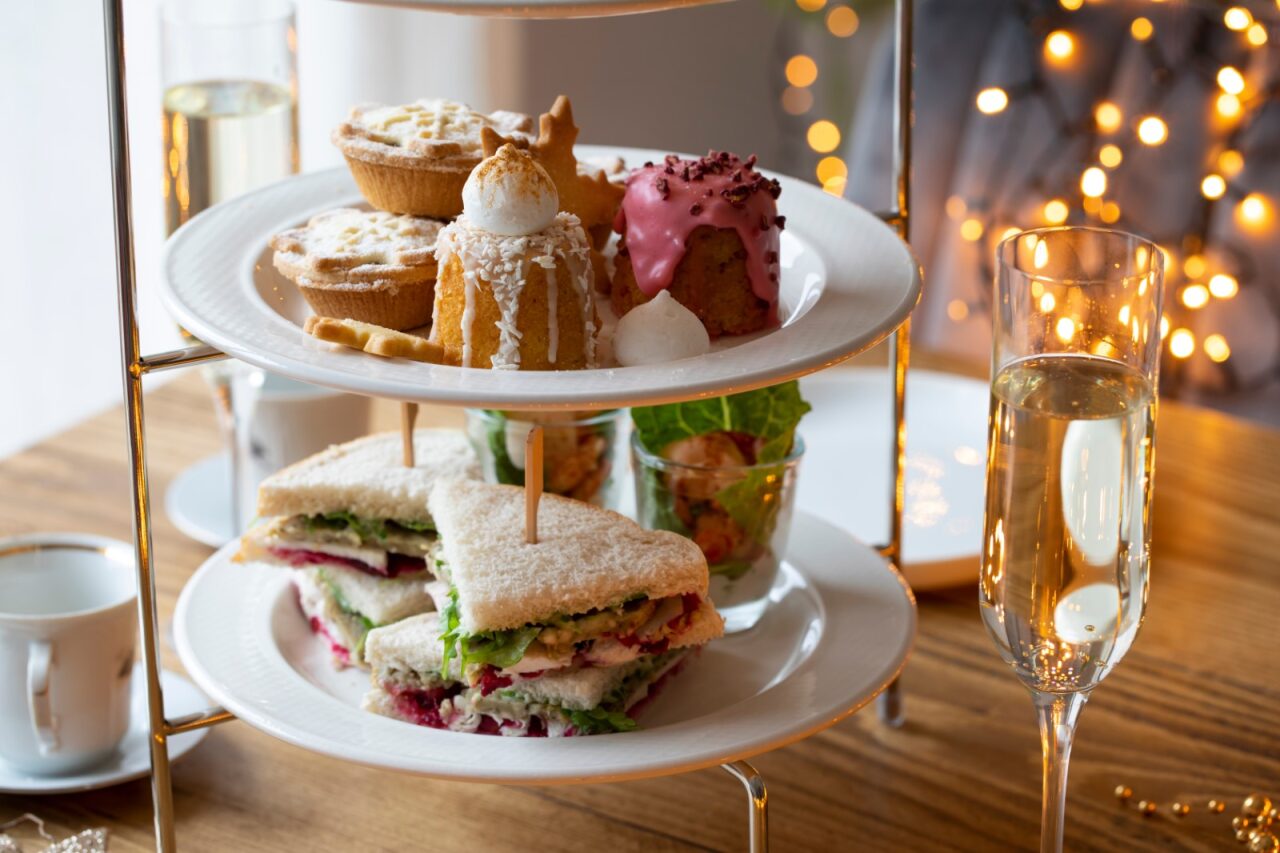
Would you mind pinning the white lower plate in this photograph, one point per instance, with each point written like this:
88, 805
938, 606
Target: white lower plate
847, 282
845, 474
839, 630
133, 758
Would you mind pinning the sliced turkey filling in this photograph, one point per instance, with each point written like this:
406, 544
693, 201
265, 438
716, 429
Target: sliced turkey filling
601, 637
380, 547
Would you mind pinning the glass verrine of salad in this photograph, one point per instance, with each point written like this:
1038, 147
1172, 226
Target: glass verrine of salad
723, 473
582, 452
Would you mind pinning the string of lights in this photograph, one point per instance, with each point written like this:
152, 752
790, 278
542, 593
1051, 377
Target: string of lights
1203, 264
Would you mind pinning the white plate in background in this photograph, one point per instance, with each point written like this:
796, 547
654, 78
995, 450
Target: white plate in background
844, 477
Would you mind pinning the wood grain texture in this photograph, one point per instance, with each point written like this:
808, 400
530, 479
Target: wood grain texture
1191, 713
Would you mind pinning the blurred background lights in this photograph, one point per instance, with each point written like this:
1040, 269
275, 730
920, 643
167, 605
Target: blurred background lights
1256, 34
1213, 186
1182, 343
1110, 213
1153, 131
1066, 328
956, 208
1047, 302
1110, 156
992, 100
811, 5
1195, 296
971, 230
1237, 18
801, 71
1224, 286
1071, 5
1060, 44
1141, 29
1093, 182
1254, 210
831, 167
957, 309
1194, 266
823, 136
1215, 346
842, 22
1231, 80
1108, 117
1230, 162
1055, 211
797, 101
1228, 105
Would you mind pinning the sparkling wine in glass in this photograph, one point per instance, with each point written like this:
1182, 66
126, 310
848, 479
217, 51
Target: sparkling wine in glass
230, 126
1069, 466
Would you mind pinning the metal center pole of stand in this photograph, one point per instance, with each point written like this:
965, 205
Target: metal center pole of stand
757, 805
889, 705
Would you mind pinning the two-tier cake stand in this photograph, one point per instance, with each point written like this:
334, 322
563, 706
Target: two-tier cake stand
849, 282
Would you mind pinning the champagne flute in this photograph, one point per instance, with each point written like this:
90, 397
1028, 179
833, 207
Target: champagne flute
230, 126
1069, 464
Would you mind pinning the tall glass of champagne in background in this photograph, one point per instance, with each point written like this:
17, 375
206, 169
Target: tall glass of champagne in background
1069, 465
230, 126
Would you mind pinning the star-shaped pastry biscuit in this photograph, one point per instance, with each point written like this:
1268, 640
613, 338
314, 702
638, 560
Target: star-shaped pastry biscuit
587, 194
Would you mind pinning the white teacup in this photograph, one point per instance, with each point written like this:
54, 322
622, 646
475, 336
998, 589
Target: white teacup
68, 629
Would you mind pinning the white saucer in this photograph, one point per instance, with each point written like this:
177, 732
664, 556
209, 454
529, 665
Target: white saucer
197, 501
844, 477
838, 631
133, 759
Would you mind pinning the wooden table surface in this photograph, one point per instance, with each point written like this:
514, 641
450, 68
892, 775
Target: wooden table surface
1192, 713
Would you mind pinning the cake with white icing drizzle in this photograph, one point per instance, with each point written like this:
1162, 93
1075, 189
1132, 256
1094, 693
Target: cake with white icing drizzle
515, 278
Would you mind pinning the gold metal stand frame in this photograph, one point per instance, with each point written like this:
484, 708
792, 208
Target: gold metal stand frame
136, 367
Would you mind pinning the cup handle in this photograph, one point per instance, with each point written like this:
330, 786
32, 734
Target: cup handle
39, 665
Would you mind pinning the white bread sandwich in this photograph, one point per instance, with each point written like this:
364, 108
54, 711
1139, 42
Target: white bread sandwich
596, 590
354, 522
407, 662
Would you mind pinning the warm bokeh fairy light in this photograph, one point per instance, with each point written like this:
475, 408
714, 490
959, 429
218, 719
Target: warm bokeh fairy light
830, 168
1110, 156
1056, 211
1231, 80
955, 207
1182, 343
1065, 327
1108, 117
1153, 131
1254, 210
1110, 213
842, 22
1011, 231
1215, 346
1256, 35
801, 71
811, 5
823, 136
1195, 296
1228, 105
957, 309
797, 101
1059, 45
1230, 162
1093, 182
1141, 29
1224, 286
1091, 204
1047, 302
1213, 186
1237, 18
1071, 5
971, 230
1194, 266
992, 100
1164, 326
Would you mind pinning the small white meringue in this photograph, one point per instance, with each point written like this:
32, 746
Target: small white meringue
510, 194
659, 330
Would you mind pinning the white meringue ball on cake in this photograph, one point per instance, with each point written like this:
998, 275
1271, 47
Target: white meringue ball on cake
510, 194
659, 330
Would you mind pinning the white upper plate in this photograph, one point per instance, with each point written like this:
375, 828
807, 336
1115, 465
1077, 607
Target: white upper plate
543, 8
839, 629
847, 282
844, 477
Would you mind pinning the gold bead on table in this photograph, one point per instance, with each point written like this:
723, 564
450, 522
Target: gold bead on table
1147, 808
1180, 809
1256, 805
1123, 792
1263, 842
1217, 806
1241, 823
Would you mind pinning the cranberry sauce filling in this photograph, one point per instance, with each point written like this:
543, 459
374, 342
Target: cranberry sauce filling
691, 601
397, 564
422, 706
338, 650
